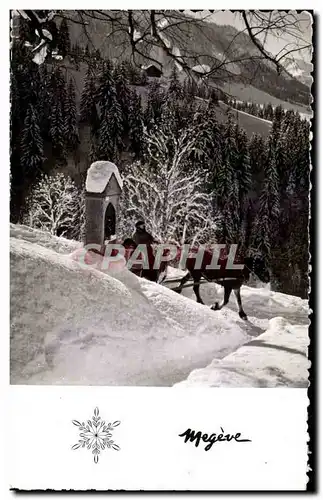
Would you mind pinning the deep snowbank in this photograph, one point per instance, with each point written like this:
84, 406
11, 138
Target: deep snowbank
276, 358
277, 353
71, 325
45, 239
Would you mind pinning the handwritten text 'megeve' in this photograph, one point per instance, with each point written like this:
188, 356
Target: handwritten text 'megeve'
191, 435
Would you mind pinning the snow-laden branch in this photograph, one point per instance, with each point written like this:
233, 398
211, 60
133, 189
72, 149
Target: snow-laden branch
173, 203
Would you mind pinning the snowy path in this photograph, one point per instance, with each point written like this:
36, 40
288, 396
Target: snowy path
71, 325
277, 327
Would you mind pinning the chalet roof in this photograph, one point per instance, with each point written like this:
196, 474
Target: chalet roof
151, 66
202, 69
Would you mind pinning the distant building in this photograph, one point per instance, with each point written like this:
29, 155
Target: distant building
202, 70
152, 71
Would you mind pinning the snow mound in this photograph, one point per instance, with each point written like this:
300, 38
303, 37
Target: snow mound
47, 240
276, 358
71, 325
98, 176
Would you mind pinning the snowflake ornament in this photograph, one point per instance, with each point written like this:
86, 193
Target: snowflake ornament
96, 435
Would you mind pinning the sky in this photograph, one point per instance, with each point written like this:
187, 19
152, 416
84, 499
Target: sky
274, 44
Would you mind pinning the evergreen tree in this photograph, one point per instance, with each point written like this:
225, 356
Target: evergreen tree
214, 97
243, 170
227, 187
57, 119
253, 109
135, 125
88, 109
17, 114
257, 156
268, 112
267, 220
278, 117
57, 132
71, 129
110, 129
302, 166
207, 153
154, 107
32, 148
44, 100
123, 95
244, 180
25, 108
64, 42
175, 90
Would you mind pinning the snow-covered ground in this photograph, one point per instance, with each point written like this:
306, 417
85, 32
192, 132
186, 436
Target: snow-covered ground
71, 325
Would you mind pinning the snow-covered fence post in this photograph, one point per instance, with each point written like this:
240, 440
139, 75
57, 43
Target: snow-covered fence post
102, 193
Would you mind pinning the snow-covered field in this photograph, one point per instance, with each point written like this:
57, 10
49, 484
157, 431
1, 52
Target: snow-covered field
71, 325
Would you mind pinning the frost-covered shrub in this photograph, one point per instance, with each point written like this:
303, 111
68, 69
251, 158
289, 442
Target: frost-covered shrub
56, 205
173, 202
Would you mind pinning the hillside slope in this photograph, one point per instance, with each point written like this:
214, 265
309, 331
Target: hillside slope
220, 46
71, 325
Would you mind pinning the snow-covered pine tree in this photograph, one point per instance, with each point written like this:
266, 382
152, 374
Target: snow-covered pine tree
289, 119
54, 206
278, 118
154, 106
296, 140
267, 219
88, 110
64, 42
243, 169
272, 183
135, 125
106, 91
57, 132
290, 249
32, 147
268, 112
244, 180
175, 89
115, 125
24, 93
226, 187
44, 100
253, 110
109, 142
123, 94
207, 154
71, 128
302, 167
261, 112
261, 233
133, 73
214, 97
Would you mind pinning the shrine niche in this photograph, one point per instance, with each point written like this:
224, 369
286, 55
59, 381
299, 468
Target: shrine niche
102, 194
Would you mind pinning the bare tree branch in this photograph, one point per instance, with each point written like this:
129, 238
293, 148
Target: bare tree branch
259, 45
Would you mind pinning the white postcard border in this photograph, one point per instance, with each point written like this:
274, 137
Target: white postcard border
152, 455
